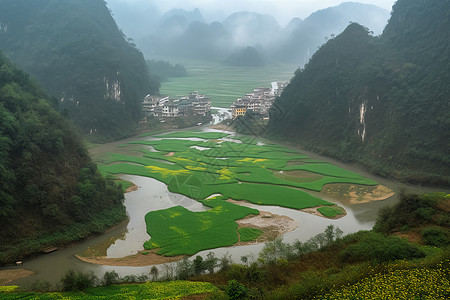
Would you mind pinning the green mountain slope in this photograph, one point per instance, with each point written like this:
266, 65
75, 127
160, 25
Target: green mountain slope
76, 51
50, 191
383, 102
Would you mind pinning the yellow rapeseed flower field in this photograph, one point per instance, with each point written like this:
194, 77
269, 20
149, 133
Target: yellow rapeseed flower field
399, 284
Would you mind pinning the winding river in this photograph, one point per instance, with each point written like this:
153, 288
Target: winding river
128, 238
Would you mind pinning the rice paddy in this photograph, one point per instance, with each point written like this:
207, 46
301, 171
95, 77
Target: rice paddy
212, 167
224, 84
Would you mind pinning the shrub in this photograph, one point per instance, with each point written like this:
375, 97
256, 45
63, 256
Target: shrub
154, 273
378, 248
404, 228
236, 272
413, 210
275, 250
110, 278
78, 281
435, 237
236, 290
309, 285
41, 286
425, 213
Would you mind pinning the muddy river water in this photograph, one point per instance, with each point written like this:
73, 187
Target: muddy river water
128, 238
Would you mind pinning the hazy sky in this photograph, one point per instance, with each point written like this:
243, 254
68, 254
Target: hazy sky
283, 10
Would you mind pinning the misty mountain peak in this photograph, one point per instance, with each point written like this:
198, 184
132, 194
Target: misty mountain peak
190, 16
252, 20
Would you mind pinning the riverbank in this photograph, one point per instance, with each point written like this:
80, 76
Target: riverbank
141, 259
7, 276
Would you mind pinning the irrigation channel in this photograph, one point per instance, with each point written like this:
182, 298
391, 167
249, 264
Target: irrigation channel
128, 238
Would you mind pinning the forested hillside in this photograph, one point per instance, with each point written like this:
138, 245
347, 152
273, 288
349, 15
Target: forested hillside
380, 101
50, 191
75, 49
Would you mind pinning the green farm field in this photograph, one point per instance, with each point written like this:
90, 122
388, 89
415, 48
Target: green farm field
149, 290
224, 83
213, 168
332, 211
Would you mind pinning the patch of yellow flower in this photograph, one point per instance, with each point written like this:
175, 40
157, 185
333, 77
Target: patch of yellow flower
216, 210
253, 160
247, 159
206, 223
399, 284
181, 159
179, 231
192, 168
260, 160
225, 174
155, 245
175, 289
166, 172
174, 215
8, 288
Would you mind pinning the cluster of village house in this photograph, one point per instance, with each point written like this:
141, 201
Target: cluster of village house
259, 101
192, 105
195, 104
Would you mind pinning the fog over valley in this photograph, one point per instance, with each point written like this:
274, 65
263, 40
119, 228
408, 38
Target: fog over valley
213, 10
288, 31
